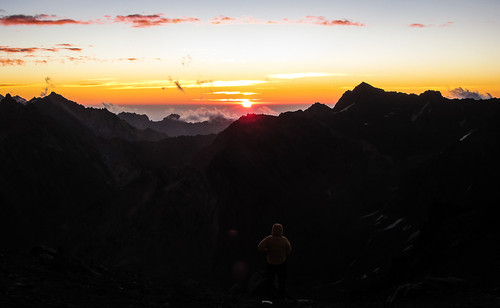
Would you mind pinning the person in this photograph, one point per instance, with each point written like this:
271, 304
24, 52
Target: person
277, 248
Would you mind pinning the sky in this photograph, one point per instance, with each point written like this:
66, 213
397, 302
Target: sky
254, 54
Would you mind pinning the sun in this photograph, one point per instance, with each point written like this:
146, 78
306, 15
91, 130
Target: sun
246, 103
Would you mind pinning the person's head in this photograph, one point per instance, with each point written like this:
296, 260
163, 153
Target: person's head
277, 230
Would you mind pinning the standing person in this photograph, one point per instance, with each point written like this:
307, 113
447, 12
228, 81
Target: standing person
277, 247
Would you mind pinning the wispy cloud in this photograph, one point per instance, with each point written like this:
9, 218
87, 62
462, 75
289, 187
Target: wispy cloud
35, 49
232, 93
419, 25
38, 20
144, 21
12, 62
304, 75
129, 59
312, 20
466, 93
233, 83
167, 84
322, 21
226, 20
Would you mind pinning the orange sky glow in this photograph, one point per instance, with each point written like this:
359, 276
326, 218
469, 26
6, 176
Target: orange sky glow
197, 54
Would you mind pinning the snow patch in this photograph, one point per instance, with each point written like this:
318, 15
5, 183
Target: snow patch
348, 107
368, 215
414, 235
380, 218
408, 248
467, 135
394, 224
419, 113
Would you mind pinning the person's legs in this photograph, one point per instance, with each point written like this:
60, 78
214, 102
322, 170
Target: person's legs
270, 273
281, 272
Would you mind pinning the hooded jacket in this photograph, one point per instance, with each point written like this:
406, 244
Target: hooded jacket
276, 246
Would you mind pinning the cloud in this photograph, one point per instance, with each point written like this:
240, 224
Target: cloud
11, 62
34, 49
207, 114
213, 113
313, 20
186, 60
322, 21
38, 20
144, 21
48, 85
303, 75
73, 48
176, 83
232, 93
419, 25
17, 50
129, 59
179, 86
226, 20
117, 109
465, 93
233, 83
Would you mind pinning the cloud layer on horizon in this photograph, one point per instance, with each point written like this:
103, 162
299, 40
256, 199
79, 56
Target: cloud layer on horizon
461, 93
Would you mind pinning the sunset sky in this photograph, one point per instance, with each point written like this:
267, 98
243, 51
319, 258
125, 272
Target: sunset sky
246, 52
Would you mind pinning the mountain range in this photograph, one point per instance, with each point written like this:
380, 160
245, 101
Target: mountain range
385, 195
173, 126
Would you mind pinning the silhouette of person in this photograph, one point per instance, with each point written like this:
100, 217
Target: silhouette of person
277, 247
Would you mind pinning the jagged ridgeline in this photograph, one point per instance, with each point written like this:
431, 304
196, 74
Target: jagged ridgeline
382, 189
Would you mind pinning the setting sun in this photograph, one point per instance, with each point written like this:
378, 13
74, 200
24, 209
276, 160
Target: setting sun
246, 103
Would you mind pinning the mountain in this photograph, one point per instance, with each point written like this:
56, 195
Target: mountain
19, 99
173, 126
390, 180
100, 122
71, 178
386, 197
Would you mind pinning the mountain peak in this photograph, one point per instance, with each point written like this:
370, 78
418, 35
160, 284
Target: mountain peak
432, 95
54, 95
365, 88
318, 109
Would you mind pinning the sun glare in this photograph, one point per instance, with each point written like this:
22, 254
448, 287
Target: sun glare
246, 103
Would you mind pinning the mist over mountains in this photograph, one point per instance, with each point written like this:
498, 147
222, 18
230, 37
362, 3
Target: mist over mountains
173, 126
386, 196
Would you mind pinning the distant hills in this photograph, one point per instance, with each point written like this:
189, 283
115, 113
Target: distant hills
384, 191
173, 126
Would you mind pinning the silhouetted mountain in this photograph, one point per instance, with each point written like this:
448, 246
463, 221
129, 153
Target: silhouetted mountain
386, 197
100, 121
19, 99
65, 183
173, 126
348, 174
